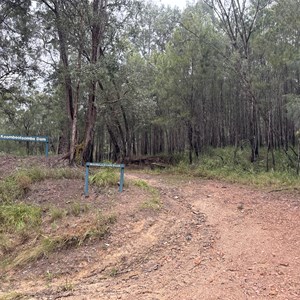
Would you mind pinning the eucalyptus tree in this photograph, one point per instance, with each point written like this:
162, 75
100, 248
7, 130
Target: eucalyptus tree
239, 19
34, 114
83, 36
274, 66
128, 104
152, 27
18, 63
188, 76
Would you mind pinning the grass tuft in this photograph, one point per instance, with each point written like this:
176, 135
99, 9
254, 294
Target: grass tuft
113, 272
45, 245
141, 184
19, 217
77, 208
5, 244
105, 178
154, 201
101, 226
13, 296
56, 214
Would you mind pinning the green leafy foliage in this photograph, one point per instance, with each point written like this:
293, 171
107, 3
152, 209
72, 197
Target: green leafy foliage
169, 81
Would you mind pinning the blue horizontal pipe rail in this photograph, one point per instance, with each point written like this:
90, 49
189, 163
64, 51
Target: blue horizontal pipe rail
105, 165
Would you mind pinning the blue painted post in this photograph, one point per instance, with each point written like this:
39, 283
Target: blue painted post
86, 185
47, 148
121, 178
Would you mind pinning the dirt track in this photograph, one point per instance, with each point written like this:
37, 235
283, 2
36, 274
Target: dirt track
210, 240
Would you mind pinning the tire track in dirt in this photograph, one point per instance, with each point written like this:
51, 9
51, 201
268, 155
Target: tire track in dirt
158, 263
258, 257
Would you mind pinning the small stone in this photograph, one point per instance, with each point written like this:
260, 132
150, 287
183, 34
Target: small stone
273, 293
188, 237
197, 261
240, 206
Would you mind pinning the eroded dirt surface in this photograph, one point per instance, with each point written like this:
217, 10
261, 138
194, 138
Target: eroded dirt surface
210, 240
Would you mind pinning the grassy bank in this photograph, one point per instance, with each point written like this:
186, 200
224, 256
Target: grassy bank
29, 232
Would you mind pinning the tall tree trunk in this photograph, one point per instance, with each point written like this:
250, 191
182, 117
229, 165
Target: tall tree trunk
74, 130
97, 32
190, 139
90, 122
116, 151
74, 134
56, 8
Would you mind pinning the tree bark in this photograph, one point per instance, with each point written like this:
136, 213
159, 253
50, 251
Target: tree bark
97, 32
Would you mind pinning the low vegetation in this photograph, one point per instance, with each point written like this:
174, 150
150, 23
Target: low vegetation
77, 208
43, 246
15, 186
12, 296
19, 217
154, 201
105, 178
29, 232
234, 166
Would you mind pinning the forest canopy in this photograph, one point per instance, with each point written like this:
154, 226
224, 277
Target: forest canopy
120, 79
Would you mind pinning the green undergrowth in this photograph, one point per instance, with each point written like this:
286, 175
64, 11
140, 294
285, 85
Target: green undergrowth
15, 186
105, 178
19, 217
29, 232
18, 223
154, 201
223, 165
75, 209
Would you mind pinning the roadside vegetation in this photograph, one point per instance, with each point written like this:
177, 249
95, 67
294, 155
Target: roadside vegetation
153, 201
29, 232
106, 177
16, 185
232, 165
